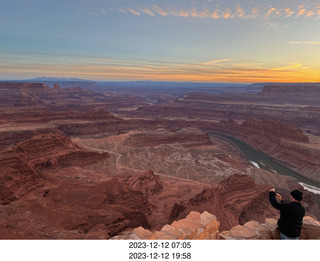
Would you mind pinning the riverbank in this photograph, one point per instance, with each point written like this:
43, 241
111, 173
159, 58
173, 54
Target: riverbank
263, 161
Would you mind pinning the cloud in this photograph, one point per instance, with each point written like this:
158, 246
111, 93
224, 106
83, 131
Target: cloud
216, 61
91, 13
134, 12
148, 11
240, 13
122, 11
204, 13
310, 13
215, 14
159, 10
270, 12
223, 70
292, 66
301, 12
306, 42
181, 13
228, 12
288, 12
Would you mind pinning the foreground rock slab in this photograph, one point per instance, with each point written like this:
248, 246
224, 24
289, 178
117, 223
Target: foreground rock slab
206, 226
194, 226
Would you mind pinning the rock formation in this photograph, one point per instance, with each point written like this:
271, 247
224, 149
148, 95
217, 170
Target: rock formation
194, 226
206, 226
291, 89
75, 211
119, 204
275, 129
70, 169
25, 94
269, 230
147, 183
21, 163
237, 200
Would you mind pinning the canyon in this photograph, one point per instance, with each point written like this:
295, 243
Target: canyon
92, 162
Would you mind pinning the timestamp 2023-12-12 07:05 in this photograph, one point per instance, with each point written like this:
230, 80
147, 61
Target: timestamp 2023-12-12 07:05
160, 250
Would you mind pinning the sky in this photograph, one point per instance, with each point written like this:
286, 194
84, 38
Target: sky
239, 41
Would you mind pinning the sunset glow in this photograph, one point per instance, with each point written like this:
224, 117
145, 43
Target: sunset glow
203, 41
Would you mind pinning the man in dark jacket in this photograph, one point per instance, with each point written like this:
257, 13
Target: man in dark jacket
291, 213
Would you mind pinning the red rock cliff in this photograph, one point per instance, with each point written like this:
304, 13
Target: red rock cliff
275, 129
287, 89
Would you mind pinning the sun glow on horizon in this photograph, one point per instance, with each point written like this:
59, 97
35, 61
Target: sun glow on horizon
200, 41
223, 70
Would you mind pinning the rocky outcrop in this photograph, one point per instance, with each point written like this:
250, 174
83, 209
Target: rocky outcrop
244, 199
237, 200
194, 226
17, 178
18, 94
206, 226
76, 211
253, 230
275, 129
148, 183
20, 165
147, 139
269, 230
26, 94
291, 89
49, 150
285, 143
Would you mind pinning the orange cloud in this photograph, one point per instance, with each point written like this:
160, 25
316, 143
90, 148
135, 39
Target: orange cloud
132, 11
159, 10
288, 12
148, 11
301, 12
227, 14
270, 12
239, 12
215, 14
310, 13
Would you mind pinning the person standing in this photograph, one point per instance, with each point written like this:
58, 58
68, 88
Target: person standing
291, 213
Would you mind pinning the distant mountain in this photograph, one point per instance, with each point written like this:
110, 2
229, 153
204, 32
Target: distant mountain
53, 79
176, 88
169, 84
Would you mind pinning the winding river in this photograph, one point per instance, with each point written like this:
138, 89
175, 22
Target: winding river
261, 160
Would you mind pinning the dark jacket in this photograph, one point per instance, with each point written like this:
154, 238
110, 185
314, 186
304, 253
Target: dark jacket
291, 216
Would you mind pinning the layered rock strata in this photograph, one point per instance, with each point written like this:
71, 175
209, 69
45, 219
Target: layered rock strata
20, 165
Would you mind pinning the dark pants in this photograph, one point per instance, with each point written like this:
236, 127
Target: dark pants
283, 236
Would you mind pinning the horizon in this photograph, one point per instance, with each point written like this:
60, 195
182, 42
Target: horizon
209, 41
59, 79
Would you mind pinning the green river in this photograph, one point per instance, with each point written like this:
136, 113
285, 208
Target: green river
261, 160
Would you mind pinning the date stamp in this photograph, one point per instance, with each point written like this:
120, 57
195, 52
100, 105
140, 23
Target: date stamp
160, 250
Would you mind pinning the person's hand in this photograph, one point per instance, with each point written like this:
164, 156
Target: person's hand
278, 197
273, 190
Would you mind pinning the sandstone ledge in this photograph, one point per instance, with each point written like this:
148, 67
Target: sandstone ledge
194, 226
269, 230
206, 226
